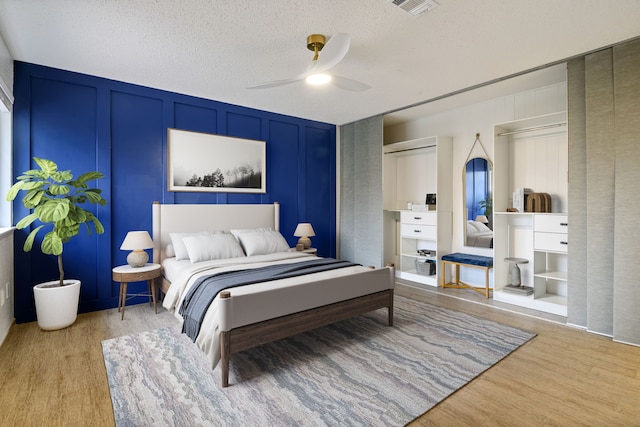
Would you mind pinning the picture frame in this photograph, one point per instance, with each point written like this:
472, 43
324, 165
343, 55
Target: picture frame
204, 162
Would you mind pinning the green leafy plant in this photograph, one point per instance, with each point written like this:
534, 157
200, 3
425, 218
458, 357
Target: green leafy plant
54, 198
487, 205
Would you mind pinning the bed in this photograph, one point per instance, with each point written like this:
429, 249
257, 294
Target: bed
479, 235
243, 317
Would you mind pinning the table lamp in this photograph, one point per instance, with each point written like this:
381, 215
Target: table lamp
137, 242
304, 230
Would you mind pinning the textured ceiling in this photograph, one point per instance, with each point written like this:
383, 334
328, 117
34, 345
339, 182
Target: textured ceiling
213, 49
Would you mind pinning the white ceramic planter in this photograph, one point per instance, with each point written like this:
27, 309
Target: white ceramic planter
57, 306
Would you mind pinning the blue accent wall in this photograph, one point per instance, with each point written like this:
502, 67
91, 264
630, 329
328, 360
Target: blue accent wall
86, 123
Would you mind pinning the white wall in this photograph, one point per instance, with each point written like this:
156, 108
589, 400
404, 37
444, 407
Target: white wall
463, 123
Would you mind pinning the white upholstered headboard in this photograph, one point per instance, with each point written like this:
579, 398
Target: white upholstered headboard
206, 217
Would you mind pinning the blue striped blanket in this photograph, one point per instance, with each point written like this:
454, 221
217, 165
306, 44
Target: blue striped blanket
204, 290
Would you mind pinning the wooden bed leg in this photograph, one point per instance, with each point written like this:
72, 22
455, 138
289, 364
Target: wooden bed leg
390, 310
225, 348
224, 358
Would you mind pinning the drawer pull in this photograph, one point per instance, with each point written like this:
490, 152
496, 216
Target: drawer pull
417, 231
564, 243
564, 224
417, 217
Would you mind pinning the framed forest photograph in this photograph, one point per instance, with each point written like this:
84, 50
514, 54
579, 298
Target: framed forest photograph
216, 163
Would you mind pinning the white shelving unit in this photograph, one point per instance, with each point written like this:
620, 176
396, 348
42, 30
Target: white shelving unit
532, 153
521, 235
419, 243
411, 170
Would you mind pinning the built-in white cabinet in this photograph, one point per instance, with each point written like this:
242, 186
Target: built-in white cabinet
419, 250
532, 154
541, 239
416, 235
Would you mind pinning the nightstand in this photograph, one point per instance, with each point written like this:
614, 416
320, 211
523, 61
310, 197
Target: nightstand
312, 251
126, 274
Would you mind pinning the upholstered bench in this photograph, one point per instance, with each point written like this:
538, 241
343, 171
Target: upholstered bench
467, 260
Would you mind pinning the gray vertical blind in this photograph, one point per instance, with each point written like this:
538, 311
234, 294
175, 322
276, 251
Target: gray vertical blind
626, 299
604, 129
361, 236
577, 268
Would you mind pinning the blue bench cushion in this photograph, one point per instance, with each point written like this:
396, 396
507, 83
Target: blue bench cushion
483, 261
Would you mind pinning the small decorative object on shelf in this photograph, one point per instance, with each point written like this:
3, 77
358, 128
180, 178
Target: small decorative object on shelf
516, 285
426, 268
426, 252
431, 200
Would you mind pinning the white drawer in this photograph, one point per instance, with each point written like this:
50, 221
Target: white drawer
421, 218
419, 231
556, 242
550, 223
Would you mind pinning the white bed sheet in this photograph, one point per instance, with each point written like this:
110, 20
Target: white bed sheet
480, 240
257, 302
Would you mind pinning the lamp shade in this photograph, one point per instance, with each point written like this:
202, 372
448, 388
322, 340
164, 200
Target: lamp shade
304, 229
136, 242
483, 219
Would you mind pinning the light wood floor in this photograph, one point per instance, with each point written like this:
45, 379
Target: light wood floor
563, 377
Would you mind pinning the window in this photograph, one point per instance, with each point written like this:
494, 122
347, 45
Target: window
6, 175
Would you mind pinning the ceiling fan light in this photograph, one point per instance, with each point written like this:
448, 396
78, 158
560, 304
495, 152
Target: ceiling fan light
318, 79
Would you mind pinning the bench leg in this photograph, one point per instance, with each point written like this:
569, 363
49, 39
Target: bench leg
486, 281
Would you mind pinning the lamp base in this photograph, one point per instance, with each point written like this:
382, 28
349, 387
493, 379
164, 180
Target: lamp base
305, 241
137, 258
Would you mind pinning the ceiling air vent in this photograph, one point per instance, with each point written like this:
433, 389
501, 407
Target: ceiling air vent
415, 7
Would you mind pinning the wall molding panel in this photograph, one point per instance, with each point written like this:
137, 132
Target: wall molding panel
87, 123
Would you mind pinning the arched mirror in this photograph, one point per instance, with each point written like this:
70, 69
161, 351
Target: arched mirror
478, 206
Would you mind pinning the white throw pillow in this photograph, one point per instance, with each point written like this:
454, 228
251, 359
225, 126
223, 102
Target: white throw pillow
262, 242
178, 245
211, 246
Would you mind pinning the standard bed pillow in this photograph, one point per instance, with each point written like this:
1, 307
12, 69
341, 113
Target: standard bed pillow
169, 252
210, 246
471, 230
481, 227
179, 248
473, 226
261, 242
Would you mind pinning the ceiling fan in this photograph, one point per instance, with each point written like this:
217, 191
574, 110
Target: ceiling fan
317, 72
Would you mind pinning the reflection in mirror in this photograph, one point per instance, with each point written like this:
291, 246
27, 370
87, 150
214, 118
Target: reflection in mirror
478, 220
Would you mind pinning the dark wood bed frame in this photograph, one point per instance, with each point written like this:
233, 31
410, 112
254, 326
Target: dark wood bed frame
253, 335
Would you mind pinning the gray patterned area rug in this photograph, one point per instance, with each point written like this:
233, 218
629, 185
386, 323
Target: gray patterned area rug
358, 372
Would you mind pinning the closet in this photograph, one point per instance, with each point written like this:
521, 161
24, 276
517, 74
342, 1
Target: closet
417, 231
531, 154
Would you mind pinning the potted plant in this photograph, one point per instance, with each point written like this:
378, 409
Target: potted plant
55, 199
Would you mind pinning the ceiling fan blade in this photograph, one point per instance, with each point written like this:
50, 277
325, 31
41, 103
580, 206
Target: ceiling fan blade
311, 68
348, 84
333, 52
274, 83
